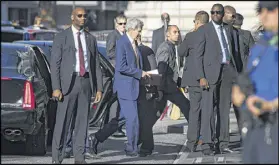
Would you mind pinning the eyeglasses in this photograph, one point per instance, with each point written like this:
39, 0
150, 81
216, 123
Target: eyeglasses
122, 23
217, 12
80, 15
232, 15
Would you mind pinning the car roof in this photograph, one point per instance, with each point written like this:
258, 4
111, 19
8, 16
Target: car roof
11, 29
15, 45
35, 42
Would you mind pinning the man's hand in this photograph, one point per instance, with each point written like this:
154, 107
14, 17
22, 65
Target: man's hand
98, 97
251, 101
237, 96
57, 94
144, 74
204, 83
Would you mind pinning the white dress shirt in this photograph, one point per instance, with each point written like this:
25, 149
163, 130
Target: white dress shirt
84, 49
218, 31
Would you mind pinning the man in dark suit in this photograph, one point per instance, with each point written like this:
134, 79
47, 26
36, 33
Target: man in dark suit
215, 65
246, 40
120, 24
75, 75
186, 49
148, 103
128, 72
168, 67
159, 35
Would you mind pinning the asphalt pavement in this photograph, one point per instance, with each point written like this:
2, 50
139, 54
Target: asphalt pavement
170, 139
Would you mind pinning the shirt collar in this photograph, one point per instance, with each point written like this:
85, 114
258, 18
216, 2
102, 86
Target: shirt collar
216, 25
75, 30
130, 38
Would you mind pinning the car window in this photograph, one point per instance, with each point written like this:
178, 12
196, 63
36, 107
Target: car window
44, 36
17, 61
10, 37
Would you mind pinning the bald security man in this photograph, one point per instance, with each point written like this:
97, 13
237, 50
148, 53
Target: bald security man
75, 76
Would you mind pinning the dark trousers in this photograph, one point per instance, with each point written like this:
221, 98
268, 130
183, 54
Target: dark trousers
69, 143
78, 100
257, 150
177, 98
114, 113
193, 132
148, 115
209, 107
224, 91
112, 126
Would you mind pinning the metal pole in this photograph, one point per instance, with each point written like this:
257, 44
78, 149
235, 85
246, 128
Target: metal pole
74, 5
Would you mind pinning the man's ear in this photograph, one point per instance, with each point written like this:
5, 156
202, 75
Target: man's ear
72, 17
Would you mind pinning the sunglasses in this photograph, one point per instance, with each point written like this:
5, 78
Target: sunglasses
80, 15
217, 12
122, 23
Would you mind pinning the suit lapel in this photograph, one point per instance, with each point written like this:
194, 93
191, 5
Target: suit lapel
88, 46
71, 40
229, 36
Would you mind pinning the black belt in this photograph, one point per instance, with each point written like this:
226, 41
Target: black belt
86, 75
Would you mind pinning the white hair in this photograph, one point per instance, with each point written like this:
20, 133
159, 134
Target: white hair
134, 23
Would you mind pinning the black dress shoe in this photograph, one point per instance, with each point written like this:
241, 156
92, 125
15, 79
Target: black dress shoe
144, 154
93, 143
119, 134
132, 154
55, 162
82, 162
208, 152
226, 150
91, 156
68, 155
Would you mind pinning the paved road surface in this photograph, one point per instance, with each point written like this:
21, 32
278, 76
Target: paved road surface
168, 149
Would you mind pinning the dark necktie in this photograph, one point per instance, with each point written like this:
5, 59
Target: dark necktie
81, 57
225, 45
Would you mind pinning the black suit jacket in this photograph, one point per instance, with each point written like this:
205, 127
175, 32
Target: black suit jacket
110, 45
63, 61
148, 58
208, 52
246, 41
186, 49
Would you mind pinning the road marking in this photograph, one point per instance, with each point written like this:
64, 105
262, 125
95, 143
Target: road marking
220, 159
198, 160
181, 152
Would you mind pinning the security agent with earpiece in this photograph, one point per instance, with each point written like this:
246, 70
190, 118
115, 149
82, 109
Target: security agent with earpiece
257, 91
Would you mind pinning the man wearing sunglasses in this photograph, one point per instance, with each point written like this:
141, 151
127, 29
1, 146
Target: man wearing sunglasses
214, 66
120, 29
120, 25
76, 76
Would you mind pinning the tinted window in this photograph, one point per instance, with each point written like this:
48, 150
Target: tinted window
10, 37
16, 61
44, 35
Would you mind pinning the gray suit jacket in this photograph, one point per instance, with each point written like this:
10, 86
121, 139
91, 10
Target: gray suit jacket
166, 60
158, 37
246, 41
186, 49
63, 61
111, 43
208, 52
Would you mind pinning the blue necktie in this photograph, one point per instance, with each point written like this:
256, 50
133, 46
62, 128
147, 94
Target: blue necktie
225, 45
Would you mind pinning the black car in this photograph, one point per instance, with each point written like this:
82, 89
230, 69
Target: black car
25, 97
27, 112
10, 34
